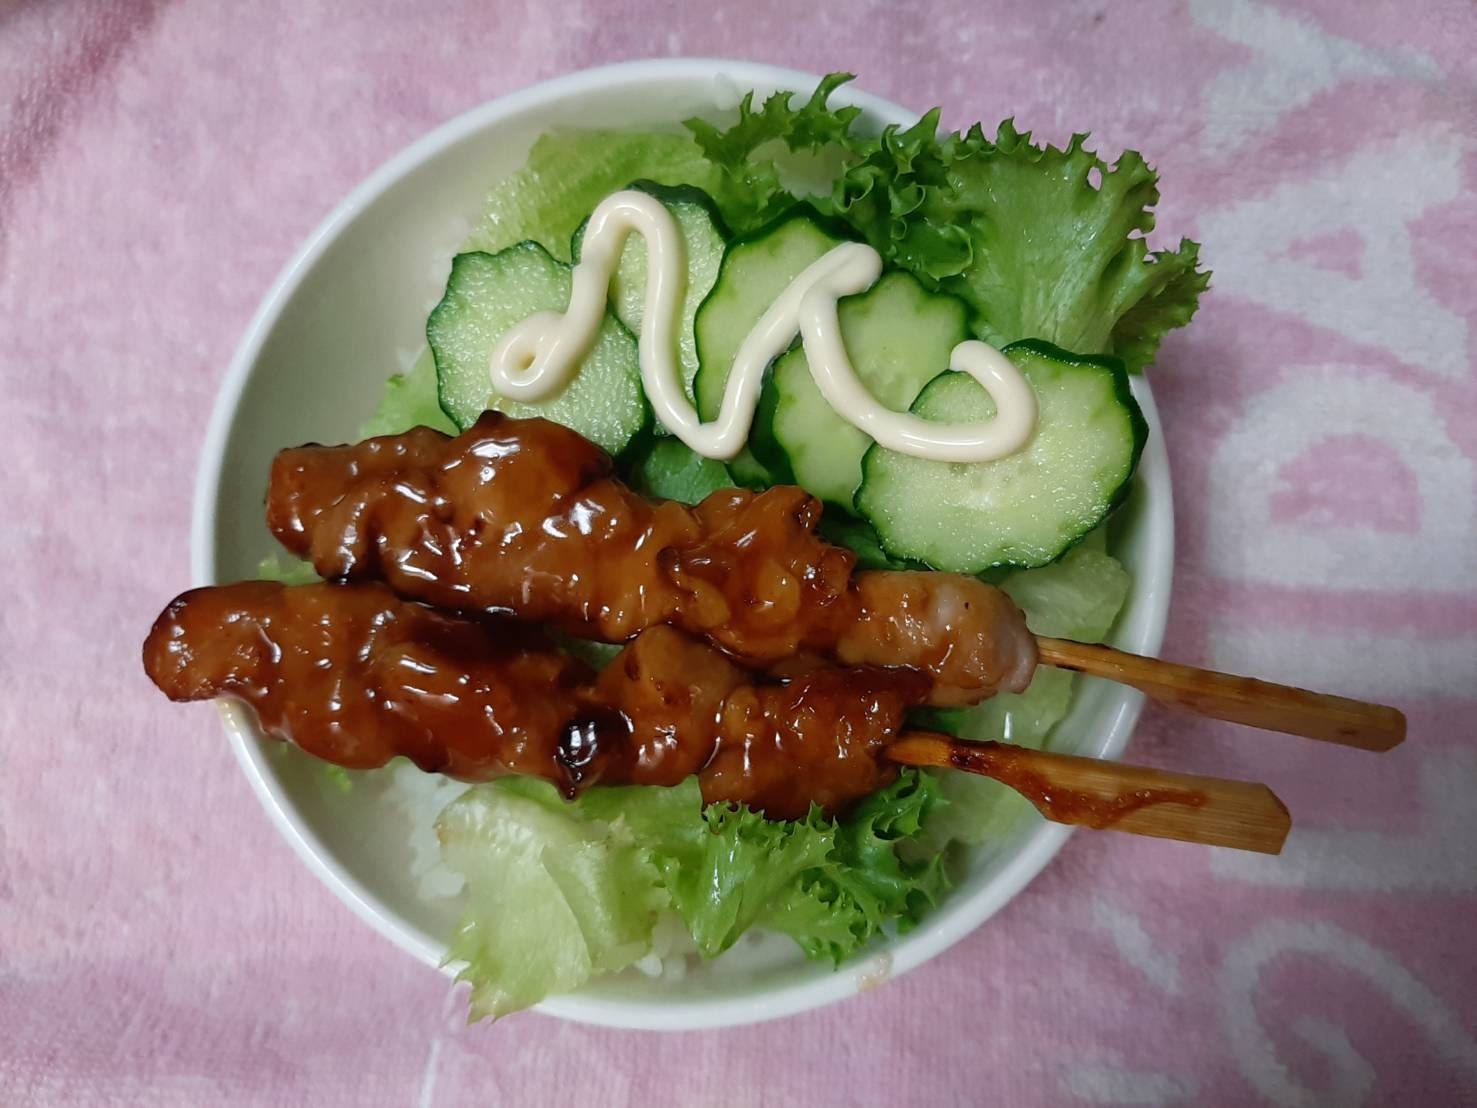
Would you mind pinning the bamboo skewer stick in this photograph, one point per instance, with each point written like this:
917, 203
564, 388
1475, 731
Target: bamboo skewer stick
1332, 719
1110, 795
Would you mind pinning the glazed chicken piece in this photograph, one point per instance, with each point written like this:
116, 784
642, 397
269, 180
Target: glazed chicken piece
527, 517
355, 675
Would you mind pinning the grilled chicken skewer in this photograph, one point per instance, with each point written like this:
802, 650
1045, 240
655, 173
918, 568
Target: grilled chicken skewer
526, 516
356, 676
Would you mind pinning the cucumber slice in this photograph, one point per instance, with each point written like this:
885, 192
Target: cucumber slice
704, 240
1024, 510
763, 452
754, 272
672, 470
899, 337
486, 295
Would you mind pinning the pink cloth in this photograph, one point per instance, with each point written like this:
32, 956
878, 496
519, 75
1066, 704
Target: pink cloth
159, 944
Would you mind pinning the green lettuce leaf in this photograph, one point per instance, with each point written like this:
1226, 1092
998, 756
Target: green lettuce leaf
558, 891
569, 172
278, 566
1041, 242
898, 196
411, 400
725, 880
867, 884
666, 820
755, 177
554, 895
858, 536
831, 885
1170, 299
1059, 249
672, 470
1076, 597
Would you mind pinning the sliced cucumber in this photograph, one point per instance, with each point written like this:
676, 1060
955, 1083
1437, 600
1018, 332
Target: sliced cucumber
672, 470
763, 452
754, 272
704, 241
899, 337
1024, 510
485, 296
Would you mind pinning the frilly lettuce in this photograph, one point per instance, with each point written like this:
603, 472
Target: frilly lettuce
1054, 255
725, 880
867, 885
755, 176
558, 891
1041, 242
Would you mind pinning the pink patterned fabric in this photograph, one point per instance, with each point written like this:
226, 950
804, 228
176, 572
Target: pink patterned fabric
160, 945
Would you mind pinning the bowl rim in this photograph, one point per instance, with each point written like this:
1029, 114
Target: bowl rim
945, 929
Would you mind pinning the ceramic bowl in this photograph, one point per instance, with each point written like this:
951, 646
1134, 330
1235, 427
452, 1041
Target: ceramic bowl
349, 310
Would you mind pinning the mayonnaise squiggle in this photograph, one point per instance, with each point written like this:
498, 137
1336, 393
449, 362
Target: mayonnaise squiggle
538, 356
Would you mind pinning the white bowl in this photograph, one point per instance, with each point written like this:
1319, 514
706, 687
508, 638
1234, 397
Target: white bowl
349, 310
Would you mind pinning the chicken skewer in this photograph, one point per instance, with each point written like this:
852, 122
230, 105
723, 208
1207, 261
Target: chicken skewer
356, 676
527, 516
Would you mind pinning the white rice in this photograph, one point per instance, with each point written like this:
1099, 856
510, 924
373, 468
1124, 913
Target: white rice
420, 798
672, 949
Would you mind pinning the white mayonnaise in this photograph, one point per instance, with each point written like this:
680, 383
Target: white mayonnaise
538, 356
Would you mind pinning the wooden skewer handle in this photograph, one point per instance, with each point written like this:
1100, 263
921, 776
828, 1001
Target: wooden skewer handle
1110, 795
1333, 719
